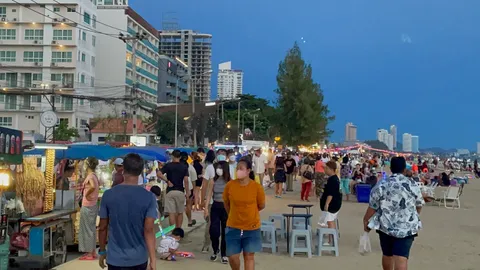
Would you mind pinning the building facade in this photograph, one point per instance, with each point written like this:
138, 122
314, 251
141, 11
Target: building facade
229, 81
478, 148
194, 49
350, 132
172, 77
385, 137
407, 142
415, 144
45, 49
114, 62
393, 131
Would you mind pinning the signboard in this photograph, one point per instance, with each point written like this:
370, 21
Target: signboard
138, 140
48, 119
11, 150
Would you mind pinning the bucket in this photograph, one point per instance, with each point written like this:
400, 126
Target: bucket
363, 193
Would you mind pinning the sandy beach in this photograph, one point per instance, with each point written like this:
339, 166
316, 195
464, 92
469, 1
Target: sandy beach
450, 239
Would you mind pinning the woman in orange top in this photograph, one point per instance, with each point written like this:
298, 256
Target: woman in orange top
243, 200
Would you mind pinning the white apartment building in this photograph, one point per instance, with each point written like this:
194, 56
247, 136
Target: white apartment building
114, 61
195, 49
393, 131
386, 138
229, 81
43, 47
350, 132
415, 144
407, 142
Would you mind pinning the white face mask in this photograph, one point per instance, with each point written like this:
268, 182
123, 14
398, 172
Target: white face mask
232, 158
219, 172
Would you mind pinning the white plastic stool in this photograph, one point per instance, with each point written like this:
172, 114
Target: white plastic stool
283, 224
321, 232
296, 234
269, 236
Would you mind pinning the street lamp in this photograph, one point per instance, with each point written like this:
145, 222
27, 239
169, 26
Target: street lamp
192, 92
254, 116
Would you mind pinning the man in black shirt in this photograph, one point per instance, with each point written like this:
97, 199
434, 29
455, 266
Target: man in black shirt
331, 200
291, 164
177, 180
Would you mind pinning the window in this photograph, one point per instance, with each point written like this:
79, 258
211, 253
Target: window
6, 121
82, 102
8, 34
94, 21
10, 102
2, 77
8, 56
86, 18
37, 98
83, 57
2, 98
82, 78
71, 10
58, 57
37, 77
92, 82
93, 61
33, 34
3, 12
56, 9
32, 56
94, 40
84, 36
56, 77
62, 34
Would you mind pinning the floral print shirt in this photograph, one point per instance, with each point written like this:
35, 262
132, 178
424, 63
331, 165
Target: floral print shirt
395, 200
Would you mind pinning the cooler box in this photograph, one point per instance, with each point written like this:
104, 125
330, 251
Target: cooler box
363, 193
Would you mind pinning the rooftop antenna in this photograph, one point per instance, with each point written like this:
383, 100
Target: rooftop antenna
170, 21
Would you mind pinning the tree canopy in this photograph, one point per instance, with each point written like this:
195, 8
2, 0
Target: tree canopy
65, 133
303, 115
165, 127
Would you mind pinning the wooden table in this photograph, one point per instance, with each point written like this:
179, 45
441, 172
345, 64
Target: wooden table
290, 217
301, 206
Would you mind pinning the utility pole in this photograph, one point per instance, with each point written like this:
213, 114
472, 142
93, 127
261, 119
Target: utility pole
238, 123
53, 109
134, 104
254, 126
192, 92
176, 112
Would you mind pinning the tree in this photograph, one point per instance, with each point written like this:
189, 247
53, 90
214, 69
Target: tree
166, 127
303, 115
65, 133
377, 144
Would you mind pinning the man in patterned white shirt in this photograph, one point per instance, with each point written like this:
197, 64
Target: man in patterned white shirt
395, 205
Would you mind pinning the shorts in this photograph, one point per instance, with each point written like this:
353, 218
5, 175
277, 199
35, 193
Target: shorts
164, 255
392, 246
327, 217
142, 266
199, 182
345, 185
280, 176
175, 202
242, 240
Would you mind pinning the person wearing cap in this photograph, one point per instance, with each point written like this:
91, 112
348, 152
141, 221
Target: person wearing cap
117, 175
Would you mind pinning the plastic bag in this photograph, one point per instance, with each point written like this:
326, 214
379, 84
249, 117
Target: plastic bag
364, 246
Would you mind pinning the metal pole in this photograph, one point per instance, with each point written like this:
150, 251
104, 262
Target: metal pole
223, 122
194, 130
134, 87
53, 109
218, 122
238, 123
176, 112
254, 117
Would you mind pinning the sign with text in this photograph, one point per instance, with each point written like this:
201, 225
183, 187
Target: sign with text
11, 150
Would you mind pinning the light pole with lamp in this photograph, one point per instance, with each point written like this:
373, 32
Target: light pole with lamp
183, 78
192, 93
254, 116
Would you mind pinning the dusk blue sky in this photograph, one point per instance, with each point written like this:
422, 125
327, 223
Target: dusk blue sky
411, 63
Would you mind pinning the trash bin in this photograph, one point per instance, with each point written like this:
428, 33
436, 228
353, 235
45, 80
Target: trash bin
363, 193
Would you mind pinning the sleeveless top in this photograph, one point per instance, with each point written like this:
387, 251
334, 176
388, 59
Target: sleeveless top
218, 187
94, 195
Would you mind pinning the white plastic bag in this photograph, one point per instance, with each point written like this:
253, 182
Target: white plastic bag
364, 246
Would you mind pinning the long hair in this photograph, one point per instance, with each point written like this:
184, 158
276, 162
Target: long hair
226, 171
210, 157
249, 166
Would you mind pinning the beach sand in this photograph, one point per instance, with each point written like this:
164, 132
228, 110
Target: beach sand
450, 239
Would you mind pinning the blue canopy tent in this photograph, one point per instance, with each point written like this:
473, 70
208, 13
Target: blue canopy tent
102, 152
152, 151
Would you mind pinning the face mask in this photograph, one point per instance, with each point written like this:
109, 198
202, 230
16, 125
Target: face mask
241, 174
221, 158
232, 158
219, 172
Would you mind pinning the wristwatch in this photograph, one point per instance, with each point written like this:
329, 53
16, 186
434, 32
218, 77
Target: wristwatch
102, 252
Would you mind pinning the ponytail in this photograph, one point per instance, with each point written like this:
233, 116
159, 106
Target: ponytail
251, 175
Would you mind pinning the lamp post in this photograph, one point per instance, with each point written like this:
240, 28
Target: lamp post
193, 92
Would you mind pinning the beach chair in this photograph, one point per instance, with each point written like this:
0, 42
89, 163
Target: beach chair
430, 189
451, 196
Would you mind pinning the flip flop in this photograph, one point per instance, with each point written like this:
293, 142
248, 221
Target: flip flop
193, 223
88, 258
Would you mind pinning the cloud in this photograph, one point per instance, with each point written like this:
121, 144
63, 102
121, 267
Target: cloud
406, 39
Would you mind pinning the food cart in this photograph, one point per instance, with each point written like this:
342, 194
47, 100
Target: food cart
42, 231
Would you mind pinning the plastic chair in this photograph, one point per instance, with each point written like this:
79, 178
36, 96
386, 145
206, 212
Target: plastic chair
296, 235
321, 232
269, 236
283, 224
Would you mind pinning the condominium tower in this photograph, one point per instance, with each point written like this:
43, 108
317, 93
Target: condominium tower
393, 131
407, 142
229, 82
45, 48
350, 132
114, 61
194, 49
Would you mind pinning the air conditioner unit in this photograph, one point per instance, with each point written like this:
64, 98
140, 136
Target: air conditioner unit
35, 42
14, 19
68, 85
4, 19
37, 64
34, 85
53, 64
64, 20
32, 108
54, 42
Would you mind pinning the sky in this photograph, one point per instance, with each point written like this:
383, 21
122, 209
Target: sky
411, 63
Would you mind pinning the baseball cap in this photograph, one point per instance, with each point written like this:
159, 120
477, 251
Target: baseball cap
118, 161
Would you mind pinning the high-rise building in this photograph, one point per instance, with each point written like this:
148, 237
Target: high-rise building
114, 65
478, 148
393, 131
385, 137
415, 144
171, 81
230, 81
350, 132
44, 48
195, 49
407, 142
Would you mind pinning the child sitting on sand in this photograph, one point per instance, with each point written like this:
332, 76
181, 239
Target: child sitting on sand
169, 245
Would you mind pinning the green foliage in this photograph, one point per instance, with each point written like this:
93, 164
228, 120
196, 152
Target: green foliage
65, 133
377, 144
303, 115
166, 127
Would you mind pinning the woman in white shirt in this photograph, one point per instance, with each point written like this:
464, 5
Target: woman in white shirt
207, 177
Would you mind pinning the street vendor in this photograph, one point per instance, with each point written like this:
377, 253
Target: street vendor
117, 175
63, 182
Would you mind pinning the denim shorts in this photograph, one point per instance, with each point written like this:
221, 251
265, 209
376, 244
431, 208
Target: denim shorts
392, 246
242, 240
